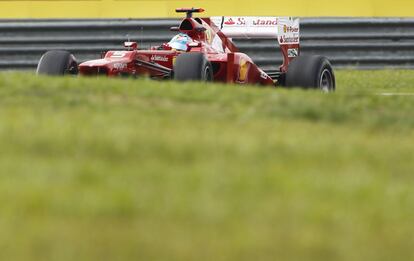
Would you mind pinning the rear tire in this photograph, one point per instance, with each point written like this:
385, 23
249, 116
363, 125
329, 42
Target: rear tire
311, 72
193, 67
57, 63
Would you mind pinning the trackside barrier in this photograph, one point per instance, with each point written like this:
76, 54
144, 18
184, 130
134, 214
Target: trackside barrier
366, 43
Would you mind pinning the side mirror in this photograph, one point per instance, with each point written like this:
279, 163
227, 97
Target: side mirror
131, 45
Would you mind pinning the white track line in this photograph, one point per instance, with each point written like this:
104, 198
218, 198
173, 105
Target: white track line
396, 94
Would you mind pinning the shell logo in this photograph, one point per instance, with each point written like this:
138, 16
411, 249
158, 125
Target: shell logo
243, 69
208, 36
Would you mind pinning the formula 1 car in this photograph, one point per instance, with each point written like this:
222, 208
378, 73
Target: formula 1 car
203, 50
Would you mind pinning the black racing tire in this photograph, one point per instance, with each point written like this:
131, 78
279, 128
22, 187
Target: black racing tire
311, 72
57, 62
193, 67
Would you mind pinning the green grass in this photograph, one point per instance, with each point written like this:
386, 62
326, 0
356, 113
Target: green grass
106, 169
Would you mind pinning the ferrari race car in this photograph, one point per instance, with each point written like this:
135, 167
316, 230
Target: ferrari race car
203, 50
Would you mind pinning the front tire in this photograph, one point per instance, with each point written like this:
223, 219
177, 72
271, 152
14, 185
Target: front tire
193, 67
311, 72
57, 62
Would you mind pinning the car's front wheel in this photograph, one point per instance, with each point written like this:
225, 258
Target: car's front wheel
193, 67
57, 62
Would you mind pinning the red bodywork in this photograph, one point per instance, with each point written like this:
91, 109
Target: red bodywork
229, 65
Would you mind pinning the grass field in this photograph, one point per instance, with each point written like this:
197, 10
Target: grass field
98, 169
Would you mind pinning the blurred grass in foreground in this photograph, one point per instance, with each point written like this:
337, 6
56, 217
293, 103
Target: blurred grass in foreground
106, 169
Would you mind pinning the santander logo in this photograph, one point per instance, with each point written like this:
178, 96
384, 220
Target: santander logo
261, 22
229, 22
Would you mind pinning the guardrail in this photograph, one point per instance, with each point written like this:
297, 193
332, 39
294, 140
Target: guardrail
366, 43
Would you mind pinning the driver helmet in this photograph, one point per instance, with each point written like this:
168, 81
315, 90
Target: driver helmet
180, 41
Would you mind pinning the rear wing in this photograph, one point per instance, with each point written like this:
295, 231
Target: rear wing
285, 29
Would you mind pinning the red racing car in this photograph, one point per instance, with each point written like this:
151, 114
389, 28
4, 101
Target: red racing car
203, 50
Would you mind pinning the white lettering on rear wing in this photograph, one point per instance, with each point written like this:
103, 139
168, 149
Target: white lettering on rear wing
285, 29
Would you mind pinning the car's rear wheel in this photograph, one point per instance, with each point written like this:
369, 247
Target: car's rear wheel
193, 67
57, 62
311, 72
